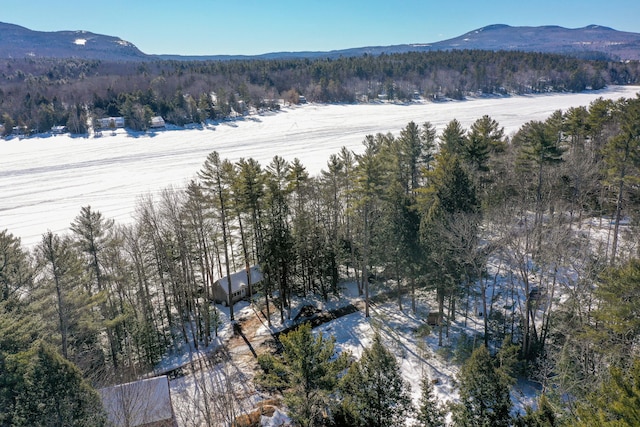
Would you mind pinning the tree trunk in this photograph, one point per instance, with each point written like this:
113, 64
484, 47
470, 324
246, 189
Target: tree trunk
618, 217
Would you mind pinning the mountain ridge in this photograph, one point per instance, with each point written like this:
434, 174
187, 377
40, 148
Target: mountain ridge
20, 42
589, 42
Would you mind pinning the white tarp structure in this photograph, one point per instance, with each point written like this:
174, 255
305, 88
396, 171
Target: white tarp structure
141, 403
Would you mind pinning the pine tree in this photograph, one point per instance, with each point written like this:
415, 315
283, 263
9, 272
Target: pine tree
428, 138
617, 329
311, 370
484, 393
450, 195
543, 416
541, 146
47, 390
16, 274
65, 305
453, 138
211, 175
430, 413
251, 192
373, 391
622, 159
278, 251
331, 182
485, 139
93, 234
616, 403
415, 150
369, 181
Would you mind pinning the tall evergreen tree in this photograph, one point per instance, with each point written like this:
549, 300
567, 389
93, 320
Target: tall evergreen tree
368, 186
278, 250
428, 136
415, 150
541, 146
430, 413
485, 141
616, 403
93, 234
484, 393
47, 390
617, 327
622, 159
311, 370
450, 193
63, 300
453, 138
373, 391
399, 217
211, 175
543, 416
331, 181
16, 273
251, 193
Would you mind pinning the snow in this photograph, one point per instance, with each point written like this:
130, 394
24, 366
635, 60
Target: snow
416, 353
80, 42
278, 419
398, 331
44, 181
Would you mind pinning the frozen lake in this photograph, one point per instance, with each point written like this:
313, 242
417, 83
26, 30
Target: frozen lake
45, 181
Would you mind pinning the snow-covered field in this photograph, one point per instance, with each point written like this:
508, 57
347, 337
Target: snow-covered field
45, 181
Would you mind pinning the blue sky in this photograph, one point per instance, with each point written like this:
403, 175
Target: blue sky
212, 27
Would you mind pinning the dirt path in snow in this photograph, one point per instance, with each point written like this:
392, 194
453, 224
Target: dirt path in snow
247, 343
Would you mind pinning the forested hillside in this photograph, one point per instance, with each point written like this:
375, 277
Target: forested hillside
448, 214
36, 94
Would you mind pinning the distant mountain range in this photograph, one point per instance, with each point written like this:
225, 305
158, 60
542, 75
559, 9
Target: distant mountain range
591, 42
20, 42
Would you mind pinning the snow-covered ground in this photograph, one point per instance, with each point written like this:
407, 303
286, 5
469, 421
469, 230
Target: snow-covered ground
402, 332
45, 181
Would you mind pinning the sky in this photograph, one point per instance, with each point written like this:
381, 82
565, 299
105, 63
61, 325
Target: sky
212, 27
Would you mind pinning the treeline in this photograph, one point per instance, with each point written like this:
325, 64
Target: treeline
36, 94
539, 231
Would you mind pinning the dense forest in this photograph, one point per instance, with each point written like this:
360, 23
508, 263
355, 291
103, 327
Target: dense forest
36, 94
422, 213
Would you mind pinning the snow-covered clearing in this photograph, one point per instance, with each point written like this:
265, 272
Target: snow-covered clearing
44, 181
404, 333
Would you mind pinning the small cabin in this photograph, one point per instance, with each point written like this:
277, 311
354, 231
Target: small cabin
58, 130
145, 403
239, 286
434, 318
111, 122
20, 130
157, 122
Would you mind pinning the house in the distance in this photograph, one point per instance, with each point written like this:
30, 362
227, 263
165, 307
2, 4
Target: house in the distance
239, 286
57, 130
111, 122
145, 403
157, 122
